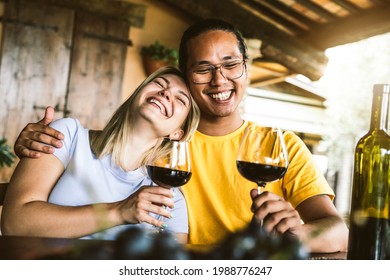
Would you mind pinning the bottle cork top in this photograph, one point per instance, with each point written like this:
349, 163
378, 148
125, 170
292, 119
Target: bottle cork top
382, 88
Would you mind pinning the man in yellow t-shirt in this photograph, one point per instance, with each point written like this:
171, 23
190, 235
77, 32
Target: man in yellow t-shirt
217, 196
214, 58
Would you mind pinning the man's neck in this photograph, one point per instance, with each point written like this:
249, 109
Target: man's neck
219, 126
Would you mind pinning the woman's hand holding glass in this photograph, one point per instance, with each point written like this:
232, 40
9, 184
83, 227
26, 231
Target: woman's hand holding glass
138, 206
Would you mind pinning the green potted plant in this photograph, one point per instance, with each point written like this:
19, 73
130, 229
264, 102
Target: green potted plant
157, 55
6, 155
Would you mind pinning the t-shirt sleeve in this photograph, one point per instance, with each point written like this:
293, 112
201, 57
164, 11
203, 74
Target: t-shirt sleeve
303, 178
69, 127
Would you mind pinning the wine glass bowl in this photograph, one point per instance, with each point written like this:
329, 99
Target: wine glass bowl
167, 177
169, 166
262, 155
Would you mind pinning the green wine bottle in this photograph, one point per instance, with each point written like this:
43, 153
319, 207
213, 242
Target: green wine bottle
369, 217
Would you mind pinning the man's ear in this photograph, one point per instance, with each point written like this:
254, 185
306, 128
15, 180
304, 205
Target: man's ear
177, 135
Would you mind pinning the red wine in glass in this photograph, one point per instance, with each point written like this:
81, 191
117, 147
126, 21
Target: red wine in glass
168, 177
169, 165
262, 156
260, 173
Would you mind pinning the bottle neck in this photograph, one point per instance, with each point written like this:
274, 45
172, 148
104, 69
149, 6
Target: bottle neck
380, 108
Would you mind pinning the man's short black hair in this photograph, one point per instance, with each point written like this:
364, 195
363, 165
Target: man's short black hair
205, 26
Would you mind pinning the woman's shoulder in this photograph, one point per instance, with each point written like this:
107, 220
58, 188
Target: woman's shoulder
71, 124
70, 127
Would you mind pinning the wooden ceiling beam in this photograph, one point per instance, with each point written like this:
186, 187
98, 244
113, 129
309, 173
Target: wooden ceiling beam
379, 1
290, 13
317, 9
349, 6
260, 13
278, 16
276, 45
266, 82
354, 28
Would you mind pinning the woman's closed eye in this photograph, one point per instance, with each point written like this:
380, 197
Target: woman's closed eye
179, 94
160, 83
183, 98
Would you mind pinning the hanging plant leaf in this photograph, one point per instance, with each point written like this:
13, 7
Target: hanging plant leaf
6, 155
158, 51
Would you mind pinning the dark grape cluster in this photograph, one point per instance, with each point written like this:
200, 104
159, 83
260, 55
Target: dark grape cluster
137, 244
251, 243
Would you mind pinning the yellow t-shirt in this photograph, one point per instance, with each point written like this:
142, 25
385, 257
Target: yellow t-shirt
217, 196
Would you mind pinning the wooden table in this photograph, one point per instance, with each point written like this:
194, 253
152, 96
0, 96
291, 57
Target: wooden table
33, 248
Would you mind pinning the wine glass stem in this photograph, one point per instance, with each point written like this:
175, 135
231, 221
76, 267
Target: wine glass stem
260, 187
161, 218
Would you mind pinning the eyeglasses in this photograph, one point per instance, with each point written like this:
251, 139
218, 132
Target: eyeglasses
231, 70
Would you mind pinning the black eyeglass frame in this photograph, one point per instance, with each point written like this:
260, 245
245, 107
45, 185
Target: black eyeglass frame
214, 67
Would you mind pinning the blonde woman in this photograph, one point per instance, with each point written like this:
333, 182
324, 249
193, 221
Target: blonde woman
95, 185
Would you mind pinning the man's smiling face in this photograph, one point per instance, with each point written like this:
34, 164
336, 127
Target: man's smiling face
221, 96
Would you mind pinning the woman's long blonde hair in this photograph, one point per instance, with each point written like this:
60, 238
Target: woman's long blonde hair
112, 139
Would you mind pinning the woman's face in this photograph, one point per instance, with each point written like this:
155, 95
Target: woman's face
165, 103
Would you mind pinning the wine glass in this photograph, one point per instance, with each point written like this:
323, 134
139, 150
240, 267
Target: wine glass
169, 165
262, 156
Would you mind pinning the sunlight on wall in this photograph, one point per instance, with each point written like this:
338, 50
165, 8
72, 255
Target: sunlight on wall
347, 84
161, 23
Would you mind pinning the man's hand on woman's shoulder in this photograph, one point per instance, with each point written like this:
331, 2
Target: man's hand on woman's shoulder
37, 138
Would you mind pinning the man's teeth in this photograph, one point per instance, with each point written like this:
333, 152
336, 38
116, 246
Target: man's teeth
222, 95
162, 108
